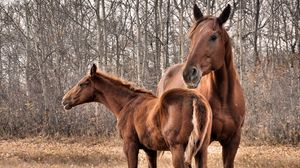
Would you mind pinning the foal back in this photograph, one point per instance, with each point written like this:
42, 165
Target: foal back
186, 119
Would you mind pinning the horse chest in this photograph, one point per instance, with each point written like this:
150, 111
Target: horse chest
224, 123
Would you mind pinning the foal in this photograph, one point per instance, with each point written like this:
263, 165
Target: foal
179, 121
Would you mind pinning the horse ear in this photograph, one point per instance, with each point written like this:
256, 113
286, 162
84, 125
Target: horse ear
224, 15
197, 13
93, 70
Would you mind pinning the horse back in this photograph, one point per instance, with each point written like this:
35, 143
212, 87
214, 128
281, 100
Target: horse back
172, 78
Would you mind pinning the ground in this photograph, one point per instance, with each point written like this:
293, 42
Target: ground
107, 153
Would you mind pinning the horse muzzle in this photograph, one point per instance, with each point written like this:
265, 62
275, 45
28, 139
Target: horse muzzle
191, 76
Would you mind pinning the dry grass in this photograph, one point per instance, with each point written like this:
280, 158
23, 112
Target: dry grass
107, 153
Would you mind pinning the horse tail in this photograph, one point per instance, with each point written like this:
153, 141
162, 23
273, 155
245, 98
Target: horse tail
202, 120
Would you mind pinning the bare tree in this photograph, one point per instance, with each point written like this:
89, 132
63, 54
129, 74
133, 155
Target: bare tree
256, 21
138, 43
45, 46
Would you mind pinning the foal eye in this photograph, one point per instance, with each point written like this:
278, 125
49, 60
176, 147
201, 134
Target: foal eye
213, 37
83, 85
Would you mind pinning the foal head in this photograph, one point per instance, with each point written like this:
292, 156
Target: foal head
82, 92
207, 51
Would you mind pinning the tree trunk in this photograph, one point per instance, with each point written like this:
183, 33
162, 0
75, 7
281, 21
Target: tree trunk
157, 42
296, 22
99, 34
272, 35
240, 28
208, 7
167, 36
40, 57
27, 55
118, 55
104, 42
1, 68
181, 32
138, 43
144, 61
161, 37
256, 31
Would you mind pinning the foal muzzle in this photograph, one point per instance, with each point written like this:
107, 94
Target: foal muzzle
67, 104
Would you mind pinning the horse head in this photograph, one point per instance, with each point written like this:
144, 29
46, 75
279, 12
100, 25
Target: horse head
208, 46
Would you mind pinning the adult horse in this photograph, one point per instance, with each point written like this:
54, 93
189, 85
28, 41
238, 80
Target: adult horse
179, 120
209, 68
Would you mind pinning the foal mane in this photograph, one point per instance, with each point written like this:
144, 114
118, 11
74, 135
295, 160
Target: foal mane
118, 81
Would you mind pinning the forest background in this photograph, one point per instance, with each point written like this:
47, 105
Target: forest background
46, 46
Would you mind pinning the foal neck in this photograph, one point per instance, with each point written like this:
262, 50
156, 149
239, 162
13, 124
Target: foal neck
115, 94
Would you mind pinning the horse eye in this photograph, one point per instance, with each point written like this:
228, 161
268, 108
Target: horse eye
213, 37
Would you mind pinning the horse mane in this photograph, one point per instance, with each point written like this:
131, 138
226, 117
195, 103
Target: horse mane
118, 81
229, 55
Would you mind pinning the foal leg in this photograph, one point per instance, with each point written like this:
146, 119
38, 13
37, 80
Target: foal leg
229, 150
177, 152
131, 151
201, 158
151, 156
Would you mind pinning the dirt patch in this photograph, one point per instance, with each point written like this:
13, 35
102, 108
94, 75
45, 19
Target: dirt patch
108, 153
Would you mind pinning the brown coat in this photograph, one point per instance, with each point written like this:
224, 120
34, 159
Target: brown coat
210, 69
179, 120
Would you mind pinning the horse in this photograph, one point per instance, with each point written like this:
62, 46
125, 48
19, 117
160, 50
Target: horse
209, 68
179, 120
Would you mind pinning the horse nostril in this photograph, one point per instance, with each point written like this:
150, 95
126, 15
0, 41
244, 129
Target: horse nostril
194, 71
191, 74
64, 102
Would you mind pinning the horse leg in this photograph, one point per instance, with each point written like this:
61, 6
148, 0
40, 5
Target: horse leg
177, 152
131, 151
229, 150
151, 156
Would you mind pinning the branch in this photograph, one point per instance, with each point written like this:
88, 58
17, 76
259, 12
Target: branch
14, 24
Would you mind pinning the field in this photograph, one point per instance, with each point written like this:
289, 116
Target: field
107, 153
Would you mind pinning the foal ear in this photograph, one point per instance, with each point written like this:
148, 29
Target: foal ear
93, 70
197, 13
224, 15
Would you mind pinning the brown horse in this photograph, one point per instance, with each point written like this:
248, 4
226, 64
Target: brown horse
179, 121
210, 69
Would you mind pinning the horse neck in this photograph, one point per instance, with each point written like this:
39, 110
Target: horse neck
114, 96
224, 78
